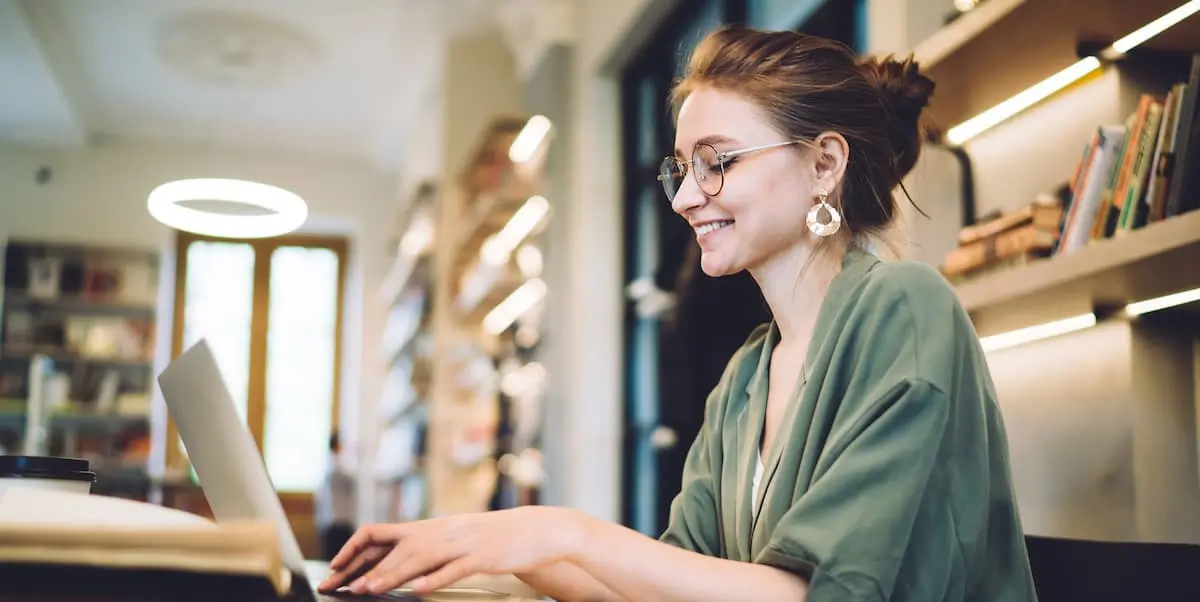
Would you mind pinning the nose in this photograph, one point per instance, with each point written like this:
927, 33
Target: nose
688, 197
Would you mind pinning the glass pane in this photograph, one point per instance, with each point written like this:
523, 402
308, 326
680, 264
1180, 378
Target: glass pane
648, 114
301, 333
219, 297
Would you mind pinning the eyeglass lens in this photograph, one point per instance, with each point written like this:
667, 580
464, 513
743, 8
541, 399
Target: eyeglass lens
705, 167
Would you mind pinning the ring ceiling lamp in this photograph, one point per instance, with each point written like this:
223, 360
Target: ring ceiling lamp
285, 211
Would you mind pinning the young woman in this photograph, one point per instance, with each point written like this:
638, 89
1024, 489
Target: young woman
853, 449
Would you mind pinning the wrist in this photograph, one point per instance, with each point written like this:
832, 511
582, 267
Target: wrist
576, 531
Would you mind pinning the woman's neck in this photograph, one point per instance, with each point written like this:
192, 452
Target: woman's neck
794, 284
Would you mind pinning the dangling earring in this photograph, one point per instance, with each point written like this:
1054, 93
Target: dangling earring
814, 216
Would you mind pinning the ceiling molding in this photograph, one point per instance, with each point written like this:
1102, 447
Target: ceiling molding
62, 59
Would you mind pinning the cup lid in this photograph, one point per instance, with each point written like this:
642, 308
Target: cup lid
45, 467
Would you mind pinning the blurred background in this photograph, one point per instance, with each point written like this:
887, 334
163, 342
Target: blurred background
486, 300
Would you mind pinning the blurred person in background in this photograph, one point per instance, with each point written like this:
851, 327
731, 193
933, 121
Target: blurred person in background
333, 502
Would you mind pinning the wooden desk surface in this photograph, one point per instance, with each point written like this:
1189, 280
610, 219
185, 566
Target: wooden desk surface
46, 583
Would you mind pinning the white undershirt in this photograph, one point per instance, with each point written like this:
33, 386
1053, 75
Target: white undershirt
758, 471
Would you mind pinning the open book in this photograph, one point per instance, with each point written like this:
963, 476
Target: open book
49, 533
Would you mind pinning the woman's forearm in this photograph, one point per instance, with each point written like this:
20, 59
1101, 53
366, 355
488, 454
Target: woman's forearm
637, 567
566, 582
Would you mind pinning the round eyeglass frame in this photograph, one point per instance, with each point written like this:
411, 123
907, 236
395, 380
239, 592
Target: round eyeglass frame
671, 161
671, 184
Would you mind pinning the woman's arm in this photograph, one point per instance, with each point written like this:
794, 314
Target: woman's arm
566, 582
640, 568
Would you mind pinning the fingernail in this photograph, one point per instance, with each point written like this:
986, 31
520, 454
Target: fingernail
359, 586
375, 586
418, 584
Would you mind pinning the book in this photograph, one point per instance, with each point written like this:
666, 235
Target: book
51, 538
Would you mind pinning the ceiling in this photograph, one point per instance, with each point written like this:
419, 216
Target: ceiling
329, 78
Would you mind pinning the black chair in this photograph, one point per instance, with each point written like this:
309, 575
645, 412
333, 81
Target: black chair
1070, 570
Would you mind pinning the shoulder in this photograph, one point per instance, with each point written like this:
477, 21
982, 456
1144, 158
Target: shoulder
910, 295
911, 314
922, 291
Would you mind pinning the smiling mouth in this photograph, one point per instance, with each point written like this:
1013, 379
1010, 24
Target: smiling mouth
712, 227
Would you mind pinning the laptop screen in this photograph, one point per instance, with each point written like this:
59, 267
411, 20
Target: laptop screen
221, 448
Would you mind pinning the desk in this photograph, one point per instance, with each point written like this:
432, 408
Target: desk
81, 584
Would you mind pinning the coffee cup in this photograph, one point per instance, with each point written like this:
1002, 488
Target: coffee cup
46, 472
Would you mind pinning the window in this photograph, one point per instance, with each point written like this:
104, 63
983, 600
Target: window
271, 310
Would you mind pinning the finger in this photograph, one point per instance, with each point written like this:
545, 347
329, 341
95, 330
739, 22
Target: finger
404, 564
450, 573
354, 568
365, 537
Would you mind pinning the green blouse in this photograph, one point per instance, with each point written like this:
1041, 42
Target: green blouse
890, 478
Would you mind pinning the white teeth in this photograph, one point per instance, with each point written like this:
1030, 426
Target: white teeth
712, 226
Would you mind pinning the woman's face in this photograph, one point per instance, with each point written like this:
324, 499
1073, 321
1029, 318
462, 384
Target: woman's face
759, 211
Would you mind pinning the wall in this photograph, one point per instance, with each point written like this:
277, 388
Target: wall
98, 196
545, 93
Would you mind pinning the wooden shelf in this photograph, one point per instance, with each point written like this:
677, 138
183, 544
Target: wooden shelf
489, 214
1005, 46
1159, 259
962, 30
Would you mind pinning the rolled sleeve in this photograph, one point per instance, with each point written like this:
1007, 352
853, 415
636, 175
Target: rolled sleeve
848, 535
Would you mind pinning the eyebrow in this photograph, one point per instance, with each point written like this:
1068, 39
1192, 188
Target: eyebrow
711, 140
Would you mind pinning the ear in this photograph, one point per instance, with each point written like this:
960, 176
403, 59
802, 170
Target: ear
833, 152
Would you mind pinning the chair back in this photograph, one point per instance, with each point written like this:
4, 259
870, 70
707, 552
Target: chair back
1069, 570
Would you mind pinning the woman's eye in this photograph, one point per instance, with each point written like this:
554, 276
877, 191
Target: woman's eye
725, 165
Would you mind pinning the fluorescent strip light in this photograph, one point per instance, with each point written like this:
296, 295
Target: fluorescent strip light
1043, 89
1166, 301
1039, 332
514, 306
418, 238
529, 139
1155, 27
1023, 100
497, 249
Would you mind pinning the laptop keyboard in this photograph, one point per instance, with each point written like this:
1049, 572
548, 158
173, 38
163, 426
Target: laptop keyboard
349, 597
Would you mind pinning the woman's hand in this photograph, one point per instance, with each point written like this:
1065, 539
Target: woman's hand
436, 553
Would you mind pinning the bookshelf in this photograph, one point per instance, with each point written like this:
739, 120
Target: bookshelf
1159, 259
1101, 421
486, 386
76, 353
407, 349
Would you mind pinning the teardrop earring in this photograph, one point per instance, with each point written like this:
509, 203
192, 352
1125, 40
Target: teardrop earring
814, 217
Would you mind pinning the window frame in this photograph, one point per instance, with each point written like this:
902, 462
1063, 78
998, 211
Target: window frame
256, 402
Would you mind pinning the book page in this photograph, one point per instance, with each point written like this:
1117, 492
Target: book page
29, 505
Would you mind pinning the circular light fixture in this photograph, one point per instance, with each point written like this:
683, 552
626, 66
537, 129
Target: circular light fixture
285, 210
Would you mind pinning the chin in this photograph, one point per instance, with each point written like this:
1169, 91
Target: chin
715, 266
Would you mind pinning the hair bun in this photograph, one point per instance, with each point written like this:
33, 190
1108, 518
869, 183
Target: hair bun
905, 89
905, 92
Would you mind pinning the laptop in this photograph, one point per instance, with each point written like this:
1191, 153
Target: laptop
232, 472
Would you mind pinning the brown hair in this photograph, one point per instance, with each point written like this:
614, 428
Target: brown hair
808, 85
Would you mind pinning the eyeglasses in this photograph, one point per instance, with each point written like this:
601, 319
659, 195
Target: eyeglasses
707, 167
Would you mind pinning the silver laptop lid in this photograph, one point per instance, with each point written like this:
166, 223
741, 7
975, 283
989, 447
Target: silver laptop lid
221, 448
